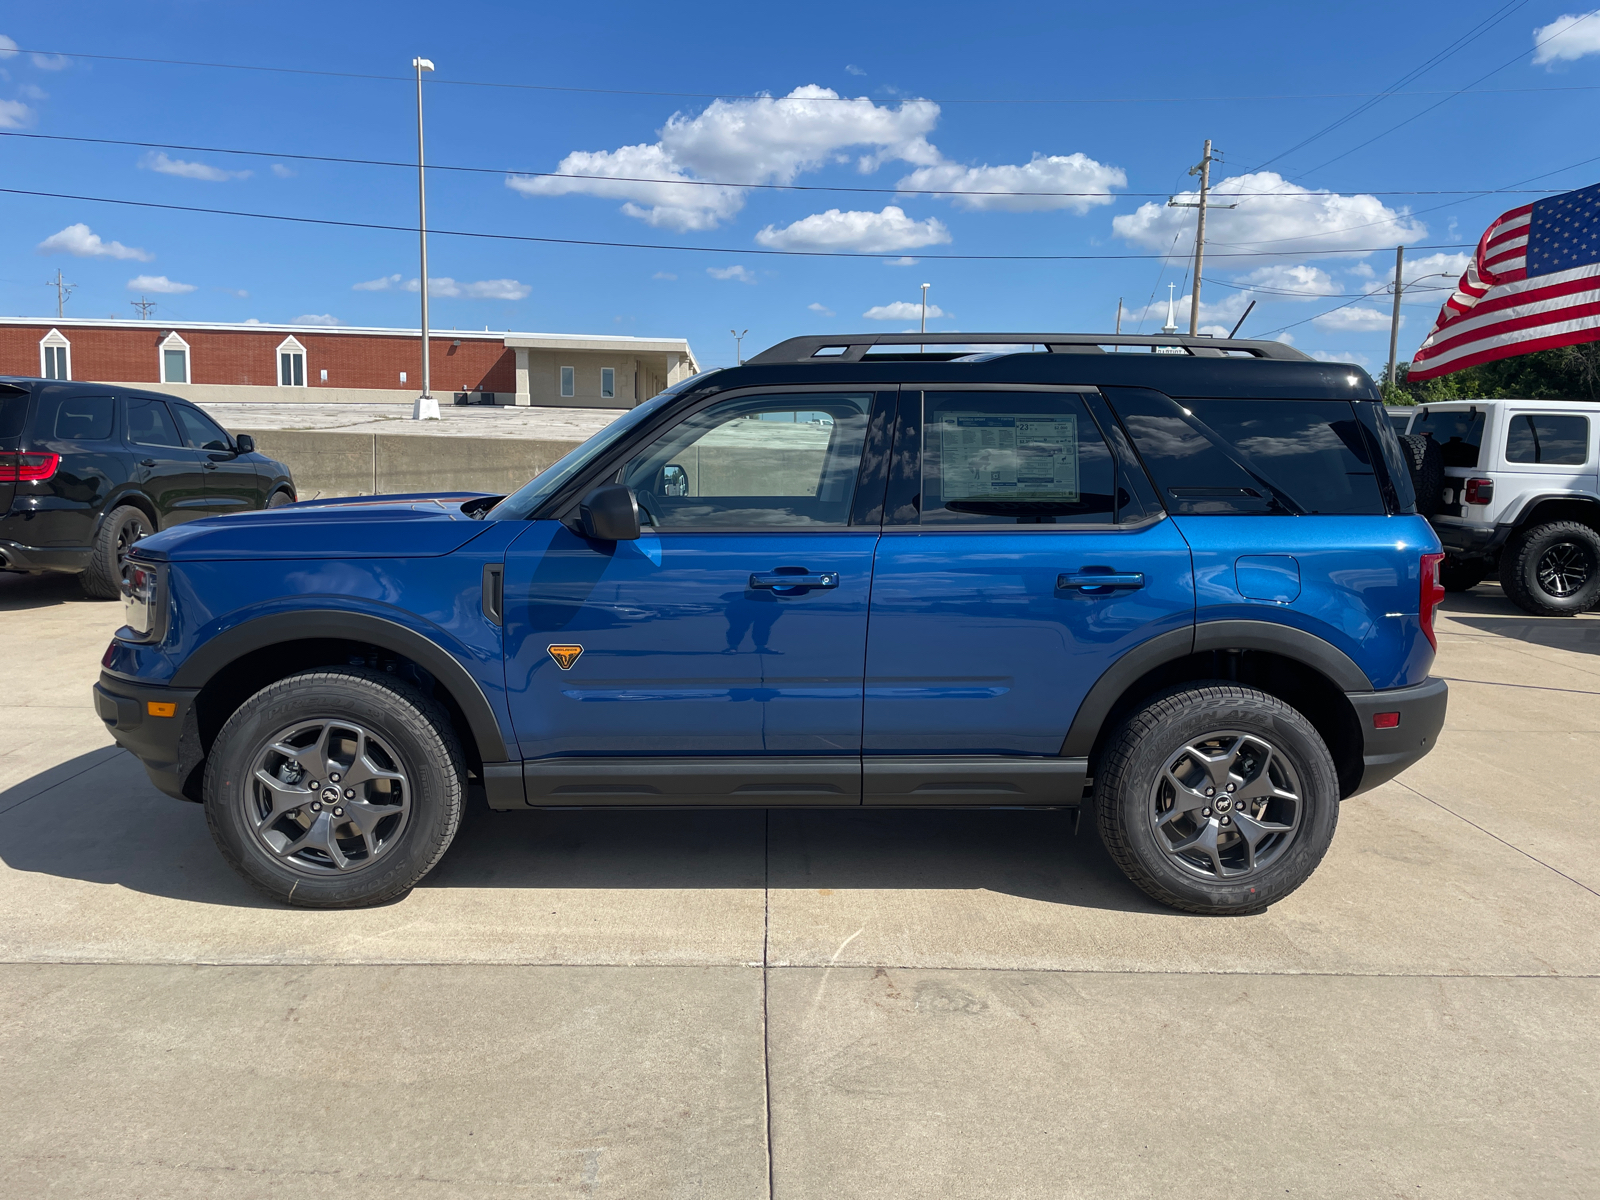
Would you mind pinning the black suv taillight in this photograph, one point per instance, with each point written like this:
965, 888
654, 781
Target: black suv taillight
27, 466
1479, 491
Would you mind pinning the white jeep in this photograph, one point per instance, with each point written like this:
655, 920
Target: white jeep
1511, 487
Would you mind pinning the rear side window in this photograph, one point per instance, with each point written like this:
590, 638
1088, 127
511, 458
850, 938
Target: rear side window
1459, 434
150, 424
84, 419
13, 412
1560, 441
1234, 457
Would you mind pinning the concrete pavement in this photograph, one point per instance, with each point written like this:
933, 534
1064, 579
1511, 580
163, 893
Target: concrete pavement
861, 1004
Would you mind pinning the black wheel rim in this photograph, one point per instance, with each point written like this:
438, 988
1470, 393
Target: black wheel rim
1227, 805
133, 530
1564, 569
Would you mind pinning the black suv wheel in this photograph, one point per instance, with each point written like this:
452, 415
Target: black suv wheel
335, 788
123, 526
1552, 570
1216, 798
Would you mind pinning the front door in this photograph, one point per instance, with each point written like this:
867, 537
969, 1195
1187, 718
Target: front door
167, 471
1014, 569
231, 483
717, 659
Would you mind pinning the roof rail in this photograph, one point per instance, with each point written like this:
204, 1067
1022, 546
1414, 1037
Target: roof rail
853, 347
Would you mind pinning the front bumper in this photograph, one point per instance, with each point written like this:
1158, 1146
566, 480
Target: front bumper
169, 747
1387, 752
17, 557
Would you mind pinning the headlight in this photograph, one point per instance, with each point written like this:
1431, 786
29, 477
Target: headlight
141, 601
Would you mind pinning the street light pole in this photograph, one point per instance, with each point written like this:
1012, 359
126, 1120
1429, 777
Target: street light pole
925, 287
738, 345
426, 407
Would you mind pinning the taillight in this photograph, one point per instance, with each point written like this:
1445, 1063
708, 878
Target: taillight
1480, 491
27, 466
1432, 593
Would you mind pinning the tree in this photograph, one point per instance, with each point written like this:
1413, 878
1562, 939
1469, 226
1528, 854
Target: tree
1566, 373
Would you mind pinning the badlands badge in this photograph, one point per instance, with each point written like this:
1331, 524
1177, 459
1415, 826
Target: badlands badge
565, 656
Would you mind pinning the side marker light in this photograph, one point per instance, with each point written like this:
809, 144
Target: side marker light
161, 708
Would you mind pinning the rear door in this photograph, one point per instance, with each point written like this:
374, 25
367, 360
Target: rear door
166, 470
231, 481
1020, 558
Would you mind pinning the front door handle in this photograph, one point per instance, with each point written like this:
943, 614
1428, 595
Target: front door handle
783, 581
209, 465
1100, 583
147, 462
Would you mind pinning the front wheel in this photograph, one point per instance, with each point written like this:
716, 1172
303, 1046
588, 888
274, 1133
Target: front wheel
1215, 798
335, 788
1553, 570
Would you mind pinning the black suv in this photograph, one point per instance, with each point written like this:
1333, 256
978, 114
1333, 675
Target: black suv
87, 470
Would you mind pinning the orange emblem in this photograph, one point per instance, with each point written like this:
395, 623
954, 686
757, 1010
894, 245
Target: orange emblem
565, 656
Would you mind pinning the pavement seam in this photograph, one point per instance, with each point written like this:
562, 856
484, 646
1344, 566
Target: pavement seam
766, 941
1532, 687
1497, 837
107, 751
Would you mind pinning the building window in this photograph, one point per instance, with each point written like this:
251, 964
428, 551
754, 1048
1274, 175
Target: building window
291, 363
174, 359
608, 383
568, 384
55, 356
402, 376
324, 374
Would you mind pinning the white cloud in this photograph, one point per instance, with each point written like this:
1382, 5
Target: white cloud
1355, 319
1289, 219
823, 309
316, 319
1292, 281
760, 140
1056, 173
1567, 38
8, 48
1342, 356
83, 242
158, 161
852, 69
663, 275
159, 284
239, 292
282, 172
51, 62
866, 232
902, 310
900, 262
32, 91
251, 321
734, 272
450, 289
384, 283
1224, 311
14, 114
1446, 267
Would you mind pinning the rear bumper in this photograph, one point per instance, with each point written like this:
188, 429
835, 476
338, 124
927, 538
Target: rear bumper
1387, 752
17, 557
169, 747
1472, 541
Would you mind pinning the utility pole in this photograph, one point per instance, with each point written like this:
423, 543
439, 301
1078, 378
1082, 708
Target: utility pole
925, 287
426, 408
1394, 322
64, 292
144, 306
1202, 169
1119, 314
738, 345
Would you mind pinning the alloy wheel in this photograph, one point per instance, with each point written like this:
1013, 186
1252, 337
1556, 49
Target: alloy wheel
1226, 805
1564, 568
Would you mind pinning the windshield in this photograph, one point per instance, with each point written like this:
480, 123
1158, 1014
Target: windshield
525, 499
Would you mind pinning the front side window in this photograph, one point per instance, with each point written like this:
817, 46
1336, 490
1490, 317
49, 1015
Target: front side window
755, 462
608, 383
150, 424
199, 430
1459, 434
1546, 438
569, 381
1010, 458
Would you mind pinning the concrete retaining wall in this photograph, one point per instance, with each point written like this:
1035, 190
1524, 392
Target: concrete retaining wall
379, 464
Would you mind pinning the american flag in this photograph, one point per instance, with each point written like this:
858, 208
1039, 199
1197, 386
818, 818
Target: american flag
1533, 284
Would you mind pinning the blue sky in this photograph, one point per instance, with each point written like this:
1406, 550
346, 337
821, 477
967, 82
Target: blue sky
945, 97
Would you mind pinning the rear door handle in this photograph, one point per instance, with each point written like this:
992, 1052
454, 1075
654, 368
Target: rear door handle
1098, 583
772, 581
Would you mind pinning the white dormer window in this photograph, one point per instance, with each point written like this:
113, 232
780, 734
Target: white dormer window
292, 364
174, 359
55, 356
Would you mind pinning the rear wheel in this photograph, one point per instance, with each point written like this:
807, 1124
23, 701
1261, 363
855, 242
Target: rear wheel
279, 499
1462, 574
1553, 570
1216, 798
123, 526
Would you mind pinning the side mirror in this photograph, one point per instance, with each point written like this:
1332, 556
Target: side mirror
610, 513
245, 444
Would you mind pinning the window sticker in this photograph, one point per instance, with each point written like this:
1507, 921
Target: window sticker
1003, 456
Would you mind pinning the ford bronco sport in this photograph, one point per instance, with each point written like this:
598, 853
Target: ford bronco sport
1187, 590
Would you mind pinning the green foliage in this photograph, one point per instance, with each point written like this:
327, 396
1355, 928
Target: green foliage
1567, 373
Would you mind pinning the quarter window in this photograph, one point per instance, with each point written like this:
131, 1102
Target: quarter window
84, 419
568, 381
1545, 438
608, 383
1459, 434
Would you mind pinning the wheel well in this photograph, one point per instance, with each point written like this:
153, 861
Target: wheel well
132, 500
246, 675
1303, 688
1585, 512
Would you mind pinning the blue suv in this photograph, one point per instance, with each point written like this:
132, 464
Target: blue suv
1178, 581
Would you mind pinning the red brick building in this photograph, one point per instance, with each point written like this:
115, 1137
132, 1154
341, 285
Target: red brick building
232, 362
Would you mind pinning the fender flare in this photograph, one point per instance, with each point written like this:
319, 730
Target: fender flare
1296, 644
1529, 503
306, 624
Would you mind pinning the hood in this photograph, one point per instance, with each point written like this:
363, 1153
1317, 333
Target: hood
417, 526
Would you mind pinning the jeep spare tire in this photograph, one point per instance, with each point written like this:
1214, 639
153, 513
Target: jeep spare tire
1426, 462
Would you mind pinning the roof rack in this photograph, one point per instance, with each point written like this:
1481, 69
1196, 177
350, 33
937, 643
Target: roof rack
853, 347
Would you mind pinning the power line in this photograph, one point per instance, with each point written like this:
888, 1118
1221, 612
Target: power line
523, 237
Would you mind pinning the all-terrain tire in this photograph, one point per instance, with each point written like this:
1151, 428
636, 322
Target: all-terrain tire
1132, 785
1462, 574
402, 732
1425, 461
122, 527
1552, 570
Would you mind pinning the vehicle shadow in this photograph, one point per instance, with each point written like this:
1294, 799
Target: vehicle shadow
18, 593
97, 818
1485, 609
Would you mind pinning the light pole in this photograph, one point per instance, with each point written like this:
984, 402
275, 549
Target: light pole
738, 345
925, 287
426, 407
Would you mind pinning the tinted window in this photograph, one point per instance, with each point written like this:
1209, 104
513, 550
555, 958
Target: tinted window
83, 418
1401, 495
756, 462
150, 424
1459, 434
1013, 458
13, 412
1543, 438
1252, 456
199, 430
